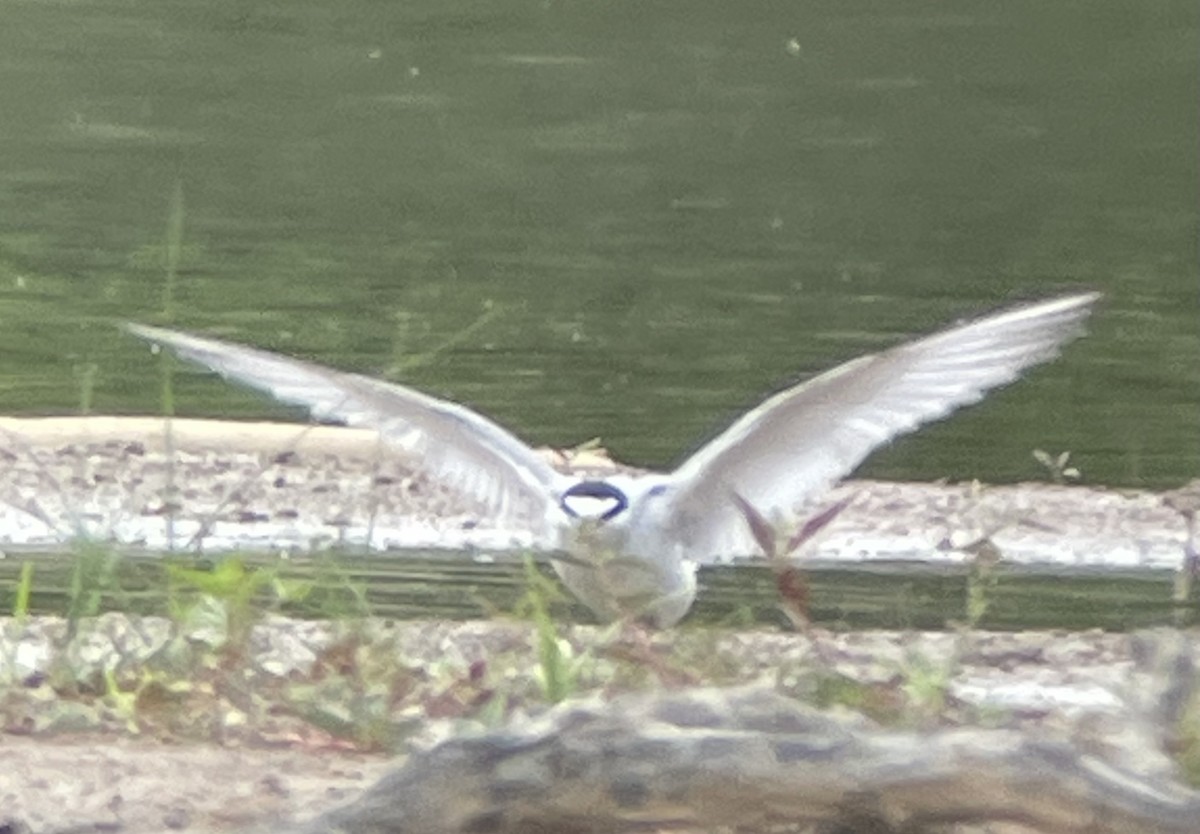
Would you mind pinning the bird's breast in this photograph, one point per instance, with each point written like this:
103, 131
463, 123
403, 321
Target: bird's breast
616, 578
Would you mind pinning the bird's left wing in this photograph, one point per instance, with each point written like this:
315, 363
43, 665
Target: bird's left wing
802, 440
454, 445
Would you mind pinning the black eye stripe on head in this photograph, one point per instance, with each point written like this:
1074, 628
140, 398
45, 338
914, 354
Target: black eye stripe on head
599, 490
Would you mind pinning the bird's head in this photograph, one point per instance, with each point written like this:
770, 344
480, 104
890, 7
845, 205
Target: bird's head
610, 501
597, 501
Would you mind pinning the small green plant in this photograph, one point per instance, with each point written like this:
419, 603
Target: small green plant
21, 593
828, 688
1057, 466
982, 580
927, 684
121, 700
333, 593
93, 575
558, 669
20, 612
226, 602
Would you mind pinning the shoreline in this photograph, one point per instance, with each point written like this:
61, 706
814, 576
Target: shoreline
220, 765
294, 487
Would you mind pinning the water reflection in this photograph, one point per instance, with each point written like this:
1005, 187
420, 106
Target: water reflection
673, 213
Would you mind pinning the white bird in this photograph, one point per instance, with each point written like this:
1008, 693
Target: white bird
629, 546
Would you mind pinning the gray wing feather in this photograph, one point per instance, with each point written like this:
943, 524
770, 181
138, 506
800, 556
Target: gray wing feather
802, 440
456, 446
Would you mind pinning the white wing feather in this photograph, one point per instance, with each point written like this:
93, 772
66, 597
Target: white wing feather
802, 440
454, 445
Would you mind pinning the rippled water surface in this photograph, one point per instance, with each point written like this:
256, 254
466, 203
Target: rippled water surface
620, 219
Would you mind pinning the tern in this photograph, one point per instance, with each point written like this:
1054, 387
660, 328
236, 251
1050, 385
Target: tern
628, 546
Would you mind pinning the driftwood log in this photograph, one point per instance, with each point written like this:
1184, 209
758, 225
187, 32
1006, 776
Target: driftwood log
755, 760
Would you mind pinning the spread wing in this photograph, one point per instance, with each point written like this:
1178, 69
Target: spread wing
802, 440
454, 445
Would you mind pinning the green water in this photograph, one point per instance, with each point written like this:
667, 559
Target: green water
672, 208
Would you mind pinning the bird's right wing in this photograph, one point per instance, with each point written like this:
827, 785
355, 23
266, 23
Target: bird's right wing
799, 442
452, 444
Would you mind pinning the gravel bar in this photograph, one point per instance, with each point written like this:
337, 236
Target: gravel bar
219, 485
